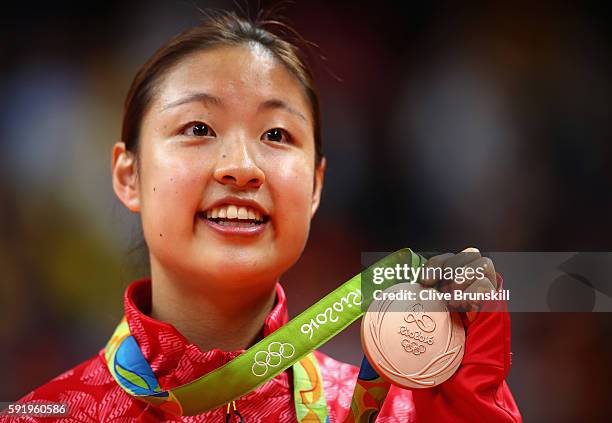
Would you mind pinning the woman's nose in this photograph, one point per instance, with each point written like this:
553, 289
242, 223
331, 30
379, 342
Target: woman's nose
236, 167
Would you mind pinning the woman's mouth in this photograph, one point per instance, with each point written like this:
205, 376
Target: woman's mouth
230, 219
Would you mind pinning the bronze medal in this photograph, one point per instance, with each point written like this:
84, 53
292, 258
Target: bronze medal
413, 342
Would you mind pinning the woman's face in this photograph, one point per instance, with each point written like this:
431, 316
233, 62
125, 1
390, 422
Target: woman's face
226, 178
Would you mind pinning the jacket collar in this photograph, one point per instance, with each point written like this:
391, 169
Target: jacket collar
173, 359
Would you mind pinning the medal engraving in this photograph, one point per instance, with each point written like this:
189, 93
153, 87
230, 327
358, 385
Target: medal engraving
412, 343
416, 341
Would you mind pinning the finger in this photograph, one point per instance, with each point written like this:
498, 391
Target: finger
433, 269
489, 271
461, 259
483, 285
479, 268
480, 285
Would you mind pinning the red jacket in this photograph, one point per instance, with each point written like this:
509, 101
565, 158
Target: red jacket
477, 392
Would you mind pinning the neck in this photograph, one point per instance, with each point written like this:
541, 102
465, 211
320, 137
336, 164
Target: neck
210, 318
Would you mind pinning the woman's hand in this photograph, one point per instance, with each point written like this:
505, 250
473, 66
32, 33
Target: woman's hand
477, 392
482, 279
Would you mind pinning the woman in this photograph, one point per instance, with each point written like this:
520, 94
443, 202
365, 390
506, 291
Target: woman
221, 156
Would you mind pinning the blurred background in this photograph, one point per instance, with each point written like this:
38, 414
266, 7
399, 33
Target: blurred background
445, 126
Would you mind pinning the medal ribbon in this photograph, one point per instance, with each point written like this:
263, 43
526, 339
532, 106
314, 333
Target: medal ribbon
287, 346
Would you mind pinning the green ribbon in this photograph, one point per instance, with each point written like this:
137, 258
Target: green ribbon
263, 361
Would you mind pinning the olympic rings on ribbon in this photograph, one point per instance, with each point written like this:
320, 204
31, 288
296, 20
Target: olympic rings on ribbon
273, 357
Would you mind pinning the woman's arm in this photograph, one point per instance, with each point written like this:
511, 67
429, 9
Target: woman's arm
477, 392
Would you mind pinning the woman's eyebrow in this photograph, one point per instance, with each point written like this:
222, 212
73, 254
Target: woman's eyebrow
276, 103
206, 98
199, 97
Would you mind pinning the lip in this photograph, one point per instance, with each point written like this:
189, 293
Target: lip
235, 230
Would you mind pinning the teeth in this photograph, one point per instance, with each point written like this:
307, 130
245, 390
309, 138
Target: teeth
231, 211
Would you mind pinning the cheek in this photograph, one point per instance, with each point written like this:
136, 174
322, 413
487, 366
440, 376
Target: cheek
292, 185
171, 190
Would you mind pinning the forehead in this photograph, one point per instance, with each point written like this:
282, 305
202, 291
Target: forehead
241, 75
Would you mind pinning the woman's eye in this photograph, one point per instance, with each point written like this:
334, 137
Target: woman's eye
276, 135
198, 129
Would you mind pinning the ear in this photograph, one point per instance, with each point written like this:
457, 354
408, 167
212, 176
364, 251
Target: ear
125, 177
318, 186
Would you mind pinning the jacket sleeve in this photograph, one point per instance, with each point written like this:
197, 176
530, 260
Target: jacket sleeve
477, 392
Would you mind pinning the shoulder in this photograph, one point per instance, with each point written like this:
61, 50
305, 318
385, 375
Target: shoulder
88, 389
89, 377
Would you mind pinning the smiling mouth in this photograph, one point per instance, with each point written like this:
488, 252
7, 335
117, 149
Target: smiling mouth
234, 216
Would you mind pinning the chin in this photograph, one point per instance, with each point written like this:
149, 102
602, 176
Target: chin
245, 266
240, 268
